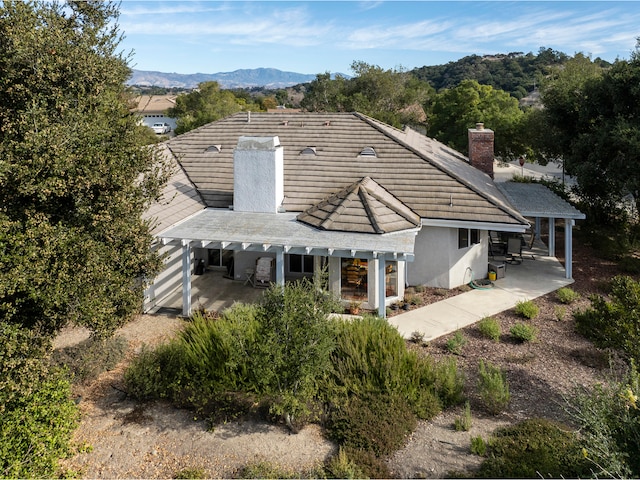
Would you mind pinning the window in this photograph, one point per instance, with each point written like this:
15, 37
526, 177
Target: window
468, 237
391, 279
354, 279
300, 263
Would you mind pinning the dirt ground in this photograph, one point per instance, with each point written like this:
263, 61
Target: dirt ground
128, 440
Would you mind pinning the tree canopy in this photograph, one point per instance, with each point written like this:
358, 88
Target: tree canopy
594, 117
206, 104
457, 109
74, 178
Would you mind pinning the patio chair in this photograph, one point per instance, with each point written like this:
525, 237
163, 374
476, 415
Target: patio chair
514, 250
497, 248
262, 276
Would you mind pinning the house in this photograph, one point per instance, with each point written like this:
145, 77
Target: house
379, 208
153, 109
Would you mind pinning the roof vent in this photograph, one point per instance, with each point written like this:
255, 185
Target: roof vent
368, 152
285, 123
327, 123
213, 149
309, 151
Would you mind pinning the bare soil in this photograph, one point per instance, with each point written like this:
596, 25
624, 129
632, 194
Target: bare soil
126, 439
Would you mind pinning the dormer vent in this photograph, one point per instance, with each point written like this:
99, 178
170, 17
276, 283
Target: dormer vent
327, 123
213, 149
368, 152
309, 151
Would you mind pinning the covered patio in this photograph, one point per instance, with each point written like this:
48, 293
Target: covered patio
278, 235
534, 200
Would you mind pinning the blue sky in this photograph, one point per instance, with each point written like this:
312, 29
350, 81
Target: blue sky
320, 36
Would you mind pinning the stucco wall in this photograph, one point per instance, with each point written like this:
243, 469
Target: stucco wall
439, 263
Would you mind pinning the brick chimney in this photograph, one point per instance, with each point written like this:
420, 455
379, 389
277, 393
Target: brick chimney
481, 148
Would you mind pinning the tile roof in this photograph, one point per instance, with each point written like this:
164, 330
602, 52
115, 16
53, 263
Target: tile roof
432, 180
363, 206
179, 198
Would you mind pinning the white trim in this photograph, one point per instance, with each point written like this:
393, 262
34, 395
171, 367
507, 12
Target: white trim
500, 227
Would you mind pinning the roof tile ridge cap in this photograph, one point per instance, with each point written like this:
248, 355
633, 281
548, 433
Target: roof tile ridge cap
174, 158
408, 213
364, 198
351, 193
492, 199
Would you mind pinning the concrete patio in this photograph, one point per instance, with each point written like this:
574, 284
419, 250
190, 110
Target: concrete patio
537, 275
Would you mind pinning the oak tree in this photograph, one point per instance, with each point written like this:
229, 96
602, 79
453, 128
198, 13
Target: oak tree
74, 176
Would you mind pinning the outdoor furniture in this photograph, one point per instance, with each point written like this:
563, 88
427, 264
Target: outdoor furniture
496, 246
262, 277
514, 250
249, 274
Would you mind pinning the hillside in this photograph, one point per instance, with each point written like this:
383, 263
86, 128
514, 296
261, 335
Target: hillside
244, 78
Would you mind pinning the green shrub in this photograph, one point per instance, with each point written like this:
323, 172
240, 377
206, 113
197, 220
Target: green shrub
534, 448
366, 461
456, 343
36, 412
493, 387
527, 309
91, 357
478, 446
608, 416
463, 422
375, 423
566, 295
490, 328
523, 332
449, 383
342, 466
614, 323
560, 313
371, 357
417, 337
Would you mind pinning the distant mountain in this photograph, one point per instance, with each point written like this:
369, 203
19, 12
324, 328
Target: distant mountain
245, 78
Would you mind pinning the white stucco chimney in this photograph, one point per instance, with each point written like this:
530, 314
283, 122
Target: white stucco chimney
258, 175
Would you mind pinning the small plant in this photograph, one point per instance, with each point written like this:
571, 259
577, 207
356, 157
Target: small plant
417, 337
478, 446
341, 466
566, 295
559, 312
490, 328
527, 309
419, 288
411, 299
188, 473
494, 389
524, 332
354, 307
455, 343
464, 421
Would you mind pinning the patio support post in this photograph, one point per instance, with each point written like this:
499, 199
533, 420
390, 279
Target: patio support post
538, 227
552, 237
186, 279
280, 266
568, 247
382, 291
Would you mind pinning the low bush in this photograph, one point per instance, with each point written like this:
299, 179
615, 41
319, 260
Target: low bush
489, 327
367, 462
566, 295
614, 323
456, 343
463, 422
534, 448
523, 332
342, 466
91, 357
268, 470
608, 416
190, 473
374, 423
493, 386
37, 415
559, 312
371, 357
527, 309
478, 446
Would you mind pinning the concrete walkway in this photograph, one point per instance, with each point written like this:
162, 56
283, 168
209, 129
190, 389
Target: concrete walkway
537, 275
